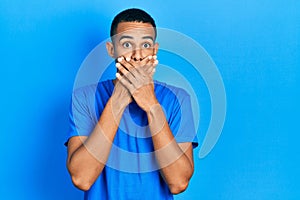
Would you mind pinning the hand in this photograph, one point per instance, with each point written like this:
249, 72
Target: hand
137, 78
121, 96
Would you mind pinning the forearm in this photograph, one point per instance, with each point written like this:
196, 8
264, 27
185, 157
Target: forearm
175, 166
88, 161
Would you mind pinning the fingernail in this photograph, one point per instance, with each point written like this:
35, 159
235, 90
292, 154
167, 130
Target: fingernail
153, 70
156, 62
118, 75
120, 59
154, 57
118, 65
149, 57
128, 59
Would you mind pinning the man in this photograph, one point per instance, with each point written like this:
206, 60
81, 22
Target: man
162, 123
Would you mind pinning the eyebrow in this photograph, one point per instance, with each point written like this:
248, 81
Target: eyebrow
130, 37
125, 36
148, 37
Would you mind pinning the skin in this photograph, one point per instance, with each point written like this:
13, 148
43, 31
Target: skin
135, 49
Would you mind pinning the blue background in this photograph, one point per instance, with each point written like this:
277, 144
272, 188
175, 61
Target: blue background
254, 43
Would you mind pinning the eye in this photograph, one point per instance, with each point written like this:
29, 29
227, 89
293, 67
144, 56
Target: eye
146, 45
126, 45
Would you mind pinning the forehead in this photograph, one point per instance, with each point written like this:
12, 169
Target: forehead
135, 29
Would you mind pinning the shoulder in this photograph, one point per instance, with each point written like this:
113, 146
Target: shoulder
92, 89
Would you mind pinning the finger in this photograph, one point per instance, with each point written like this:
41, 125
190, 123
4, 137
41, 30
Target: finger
128, 59
149, 69
128, 65
141, 63
132, 75
146, 60
126, 73
125, 82
153, 62
153, 71
147, 63
125, 62
121, 68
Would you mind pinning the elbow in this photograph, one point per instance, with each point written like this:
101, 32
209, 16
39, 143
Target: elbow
81, 183
179, 187
79, 180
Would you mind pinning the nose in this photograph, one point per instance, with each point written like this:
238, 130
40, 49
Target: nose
137, 55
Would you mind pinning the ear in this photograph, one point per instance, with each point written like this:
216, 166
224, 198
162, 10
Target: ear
110, 49
155, 49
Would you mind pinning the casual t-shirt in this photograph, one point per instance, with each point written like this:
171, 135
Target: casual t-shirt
131, 171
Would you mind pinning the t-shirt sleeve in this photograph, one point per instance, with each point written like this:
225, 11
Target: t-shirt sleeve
181, 121
80, 116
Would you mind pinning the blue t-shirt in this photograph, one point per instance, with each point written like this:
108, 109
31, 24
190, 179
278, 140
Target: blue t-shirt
131, 171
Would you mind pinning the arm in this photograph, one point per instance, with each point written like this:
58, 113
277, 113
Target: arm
175, 160
87, 155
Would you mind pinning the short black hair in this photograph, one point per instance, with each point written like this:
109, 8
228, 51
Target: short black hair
131, 15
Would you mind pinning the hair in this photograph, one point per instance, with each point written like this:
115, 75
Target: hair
131, 15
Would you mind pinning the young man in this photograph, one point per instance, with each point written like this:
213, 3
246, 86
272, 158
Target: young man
150, 122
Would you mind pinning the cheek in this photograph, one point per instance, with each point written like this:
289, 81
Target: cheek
147, 52
120, 51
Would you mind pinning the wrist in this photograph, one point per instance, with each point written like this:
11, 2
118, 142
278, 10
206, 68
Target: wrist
156, 119
117, 106
149, 110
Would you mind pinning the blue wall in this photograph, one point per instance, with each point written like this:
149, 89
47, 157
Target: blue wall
254, 43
